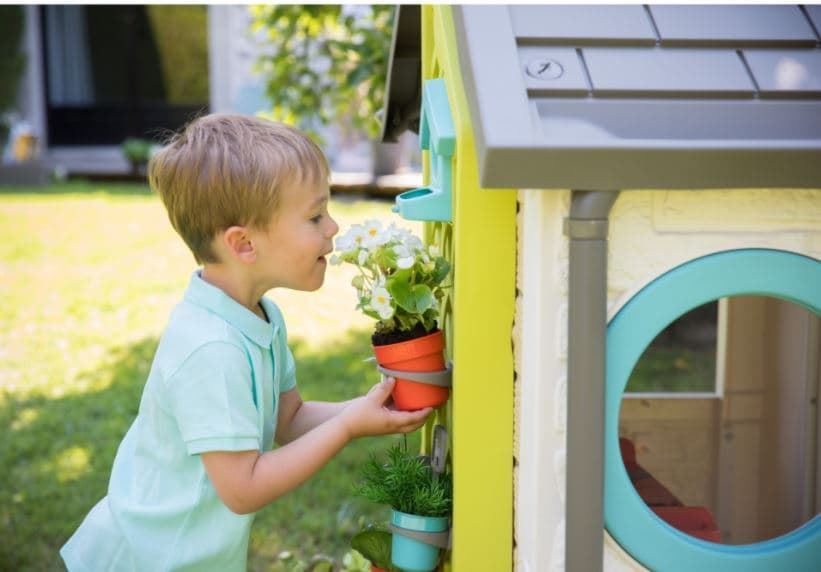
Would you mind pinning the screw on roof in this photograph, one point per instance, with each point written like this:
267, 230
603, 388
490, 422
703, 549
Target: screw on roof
544, 68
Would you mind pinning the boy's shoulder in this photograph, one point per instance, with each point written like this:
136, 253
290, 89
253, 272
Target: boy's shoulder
197, 323
190, 327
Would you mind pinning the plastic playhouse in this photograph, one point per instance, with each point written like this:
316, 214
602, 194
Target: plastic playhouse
594, 173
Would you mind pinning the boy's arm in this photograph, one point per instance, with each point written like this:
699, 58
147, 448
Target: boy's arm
246, 481
297, 417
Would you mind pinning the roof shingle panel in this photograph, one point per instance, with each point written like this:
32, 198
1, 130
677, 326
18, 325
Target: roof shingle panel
732, 25
582, 24
780, 73
677, 72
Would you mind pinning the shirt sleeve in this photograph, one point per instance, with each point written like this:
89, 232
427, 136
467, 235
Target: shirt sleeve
212, 399
288, 371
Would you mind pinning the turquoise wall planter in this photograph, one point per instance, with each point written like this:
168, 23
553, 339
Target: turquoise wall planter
410, 554
647, 538
438, 136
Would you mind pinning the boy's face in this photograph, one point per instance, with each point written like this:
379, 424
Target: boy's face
292, 250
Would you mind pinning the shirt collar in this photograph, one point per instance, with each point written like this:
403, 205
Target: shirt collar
213, 299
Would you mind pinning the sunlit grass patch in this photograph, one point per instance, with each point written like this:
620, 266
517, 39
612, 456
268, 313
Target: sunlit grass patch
88, 276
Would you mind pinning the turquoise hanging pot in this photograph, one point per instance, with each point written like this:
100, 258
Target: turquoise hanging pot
410, 554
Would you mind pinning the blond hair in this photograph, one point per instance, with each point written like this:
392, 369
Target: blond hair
224, 170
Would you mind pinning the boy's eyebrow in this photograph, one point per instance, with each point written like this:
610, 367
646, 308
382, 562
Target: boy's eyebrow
318, 201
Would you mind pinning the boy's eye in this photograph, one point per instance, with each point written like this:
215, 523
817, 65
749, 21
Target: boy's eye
316, 219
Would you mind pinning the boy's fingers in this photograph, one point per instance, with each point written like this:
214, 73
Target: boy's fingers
381, 385
412, 417
383, 389
412, 427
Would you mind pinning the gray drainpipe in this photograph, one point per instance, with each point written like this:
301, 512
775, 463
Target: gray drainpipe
587, 328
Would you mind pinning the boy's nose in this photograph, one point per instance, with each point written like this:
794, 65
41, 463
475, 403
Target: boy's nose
334, 228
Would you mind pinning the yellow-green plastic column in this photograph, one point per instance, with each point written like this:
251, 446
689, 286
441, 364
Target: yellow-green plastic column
484, 255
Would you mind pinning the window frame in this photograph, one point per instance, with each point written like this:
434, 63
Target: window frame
657, 545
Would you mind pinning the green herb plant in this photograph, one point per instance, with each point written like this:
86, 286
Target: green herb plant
406, 483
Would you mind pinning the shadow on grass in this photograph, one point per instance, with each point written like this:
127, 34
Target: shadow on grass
56, 454
81, 187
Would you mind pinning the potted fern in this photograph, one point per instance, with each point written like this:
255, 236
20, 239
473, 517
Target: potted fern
420, 502
400, 284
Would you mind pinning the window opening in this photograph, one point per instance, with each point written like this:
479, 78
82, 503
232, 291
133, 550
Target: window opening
735, 466
117, 71
682, 358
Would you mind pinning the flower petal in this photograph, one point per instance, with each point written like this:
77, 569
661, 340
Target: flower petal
405, 262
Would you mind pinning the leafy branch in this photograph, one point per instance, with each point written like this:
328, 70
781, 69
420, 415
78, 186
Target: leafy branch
329, 65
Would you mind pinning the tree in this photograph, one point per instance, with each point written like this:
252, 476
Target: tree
329, 65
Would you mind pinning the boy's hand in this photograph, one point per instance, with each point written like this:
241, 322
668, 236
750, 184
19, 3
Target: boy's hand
368, 415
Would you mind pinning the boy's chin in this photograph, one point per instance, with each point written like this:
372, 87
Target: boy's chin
312, 286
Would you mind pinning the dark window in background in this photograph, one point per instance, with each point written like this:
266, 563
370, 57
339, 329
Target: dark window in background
123, 71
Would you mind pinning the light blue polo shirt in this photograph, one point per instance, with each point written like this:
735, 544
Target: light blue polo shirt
214, 386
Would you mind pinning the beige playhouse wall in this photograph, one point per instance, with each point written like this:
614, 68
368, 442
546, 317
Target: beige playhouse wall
651, 232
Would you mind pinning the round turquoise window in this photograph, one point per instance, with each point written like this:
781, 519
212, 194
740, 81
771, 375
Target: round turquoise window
646, 537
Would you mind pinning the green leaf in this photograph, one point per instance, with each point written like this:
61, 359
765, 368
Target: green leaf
371, 314
375, 545
400, 290
440, 271
422, 297
385, 258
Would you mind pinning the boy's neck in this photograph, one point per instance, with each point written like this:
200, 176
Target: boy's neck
237, 288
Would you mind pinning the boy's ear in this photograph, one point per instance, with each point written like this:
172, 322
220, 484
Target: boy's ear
237, 240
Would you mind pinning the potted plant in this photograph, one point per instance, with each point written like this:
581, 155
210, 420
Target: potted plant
420, 502
400, 284
137, 152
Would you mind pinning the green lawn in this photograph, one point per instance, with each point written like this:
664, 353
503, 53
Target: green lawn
88, 275
674, 370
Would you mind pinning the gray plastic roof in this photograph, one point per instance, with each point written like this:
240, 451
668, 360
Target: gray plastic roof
627, 97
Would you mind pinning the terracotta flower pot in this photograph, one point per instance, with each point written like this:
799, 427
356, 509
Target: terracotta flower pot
420, 354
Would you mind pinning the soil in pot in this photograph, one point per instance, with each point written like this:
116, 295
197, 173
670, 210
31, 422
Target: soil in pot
398, 336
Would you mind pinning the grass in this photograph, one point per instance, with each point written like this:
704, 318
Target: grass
88, 275
674, 370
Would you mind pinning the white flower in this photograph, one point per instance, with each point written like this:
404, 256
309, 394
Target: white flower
374, 237
351, 240
357, 235
362, 257
381, 302
415, 244
400, 235
344, 244
434, 250
335, 260
405, 257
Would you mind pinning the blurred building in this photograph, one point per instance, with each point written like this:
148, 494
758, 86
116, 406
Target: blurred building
98, 74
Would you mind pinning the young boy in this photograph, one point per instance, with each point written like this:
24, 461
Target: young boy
250, 199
